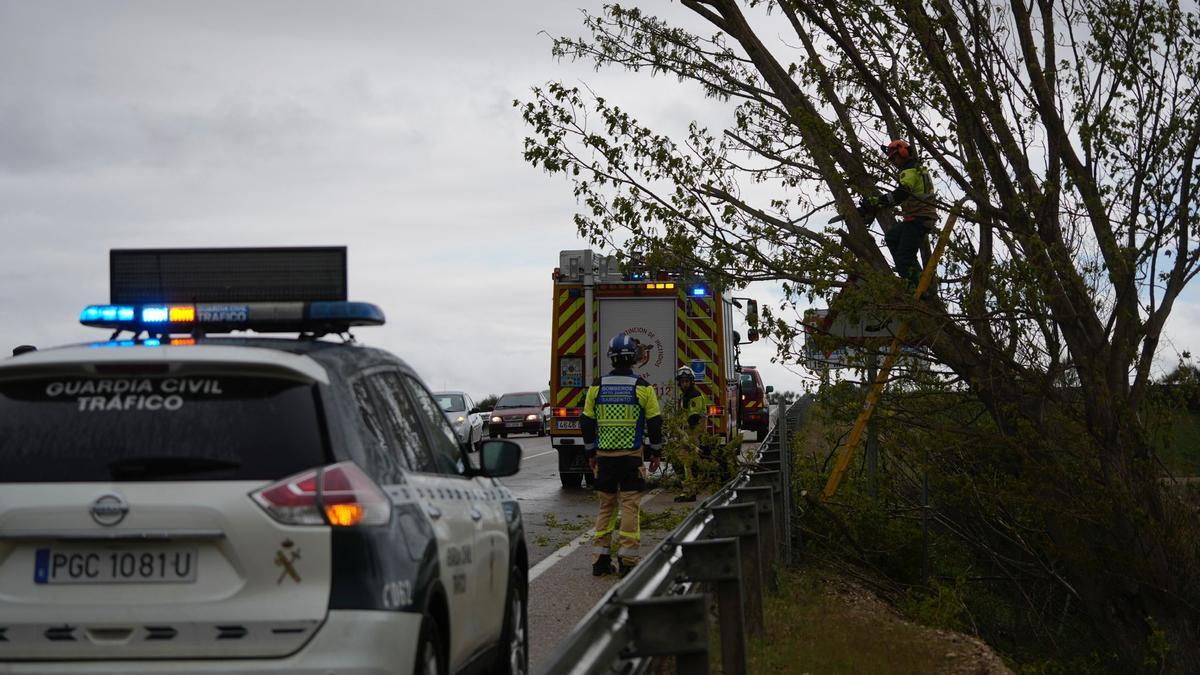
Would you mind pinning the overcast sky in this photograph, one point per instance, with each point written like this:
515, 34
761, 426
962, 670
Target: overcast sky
383, 126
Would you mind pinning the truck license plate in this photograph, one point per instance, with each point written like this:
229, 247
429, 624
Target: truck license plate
114, 566
568, 424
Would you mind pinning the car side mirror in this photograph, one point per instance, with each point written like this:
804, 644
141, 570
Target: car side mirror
499, 458
770, 389
473, 411
546, 404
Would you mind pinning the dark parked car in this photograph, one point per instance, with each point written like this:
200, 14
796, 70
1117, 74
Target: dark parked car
520, 412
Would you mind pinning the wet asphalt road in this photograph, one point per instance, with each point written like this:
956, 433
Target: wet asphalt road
557, 522
553, 516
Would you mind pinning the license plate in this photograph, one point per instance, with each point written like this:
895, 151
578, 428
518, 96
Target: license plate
119, 566
568, 424
515, 424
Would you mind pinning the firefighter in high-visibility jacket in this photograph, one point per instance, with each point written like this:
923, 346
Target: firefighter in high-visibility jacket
694, 404
620, 417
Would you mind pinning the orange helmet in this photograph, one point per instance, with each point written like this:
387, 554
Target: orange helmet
899, 151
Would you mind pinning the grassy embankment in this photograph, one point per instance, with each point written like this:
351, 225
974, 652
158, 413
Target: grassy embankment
820, 624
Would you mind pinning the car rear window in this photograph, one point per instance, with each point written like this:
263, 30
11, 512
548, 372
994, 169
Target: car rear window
136, 427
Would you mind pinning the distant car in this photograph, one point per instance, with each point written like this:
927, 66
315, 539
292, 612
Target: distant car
463, 416
485, 417
520, 412
753, 414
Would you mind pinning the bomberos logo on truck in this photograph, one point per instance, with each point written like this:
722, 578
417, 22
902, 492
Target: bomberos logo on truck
644, 336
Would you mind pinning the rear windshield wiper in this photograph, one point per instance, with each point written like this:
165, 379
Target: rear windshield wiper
146, 468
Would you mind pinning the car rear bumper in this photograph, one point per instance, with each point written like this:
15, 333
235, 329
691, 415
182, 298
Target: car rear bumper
754, 420
348, 643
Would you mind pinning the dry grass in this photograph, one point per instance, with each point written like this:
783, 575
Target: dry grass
820, 624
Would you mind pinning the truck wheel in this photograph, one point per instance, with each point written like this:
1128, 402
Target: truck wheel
570, 481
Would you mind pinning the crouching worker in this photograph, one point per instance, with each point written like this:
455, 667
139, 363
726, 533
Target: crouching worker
695, 406
620, 411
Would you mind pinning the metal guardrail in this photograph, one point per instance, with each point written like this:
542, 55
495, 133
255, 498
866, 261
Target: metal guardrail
726, 549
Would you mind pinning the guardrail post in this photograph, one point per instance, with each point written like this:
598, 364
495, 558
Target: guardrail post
785, 458
674, 625
773, 479
741, 521
718, 561
764, 499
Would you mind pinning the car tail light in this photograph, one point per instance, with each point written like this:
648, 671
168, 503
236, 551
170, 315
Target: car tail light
340, 495
567, 412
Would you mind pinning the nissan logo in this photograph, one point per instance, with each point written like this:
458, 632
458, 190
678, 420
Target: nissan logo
109, 509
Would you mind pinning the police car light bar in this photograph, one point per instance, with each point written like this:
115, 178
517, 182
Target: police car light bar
263, 317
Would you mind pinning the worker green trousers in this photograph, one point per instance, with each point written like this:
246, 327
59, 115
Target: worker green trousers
903, 240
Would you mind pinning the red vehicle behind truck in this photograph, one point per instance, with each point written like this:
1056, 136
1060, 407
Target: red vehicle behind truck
753, 413
680, 321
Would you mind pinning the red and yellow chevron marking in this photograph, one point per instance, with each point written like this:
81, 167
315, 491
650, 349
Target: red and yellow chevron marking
569, 337
569, 324
697, 326
596, 365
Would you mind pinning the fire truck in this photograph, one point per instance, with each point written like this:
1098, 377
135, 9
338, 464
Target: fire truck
678, 320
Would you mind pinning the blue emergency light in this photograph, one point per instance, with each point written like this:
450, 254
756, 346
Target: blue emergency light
698, 291
107, 313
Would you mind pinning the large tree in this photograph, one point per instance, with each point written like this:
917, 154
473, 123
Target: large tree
1069, 128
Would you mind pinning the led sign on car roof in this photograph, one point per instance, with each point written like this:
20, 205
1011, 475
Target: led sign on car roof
198, 291
190, 275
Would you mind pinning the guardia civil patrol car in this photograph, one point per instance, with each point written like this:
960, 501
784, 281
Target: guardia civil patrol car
182, 499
